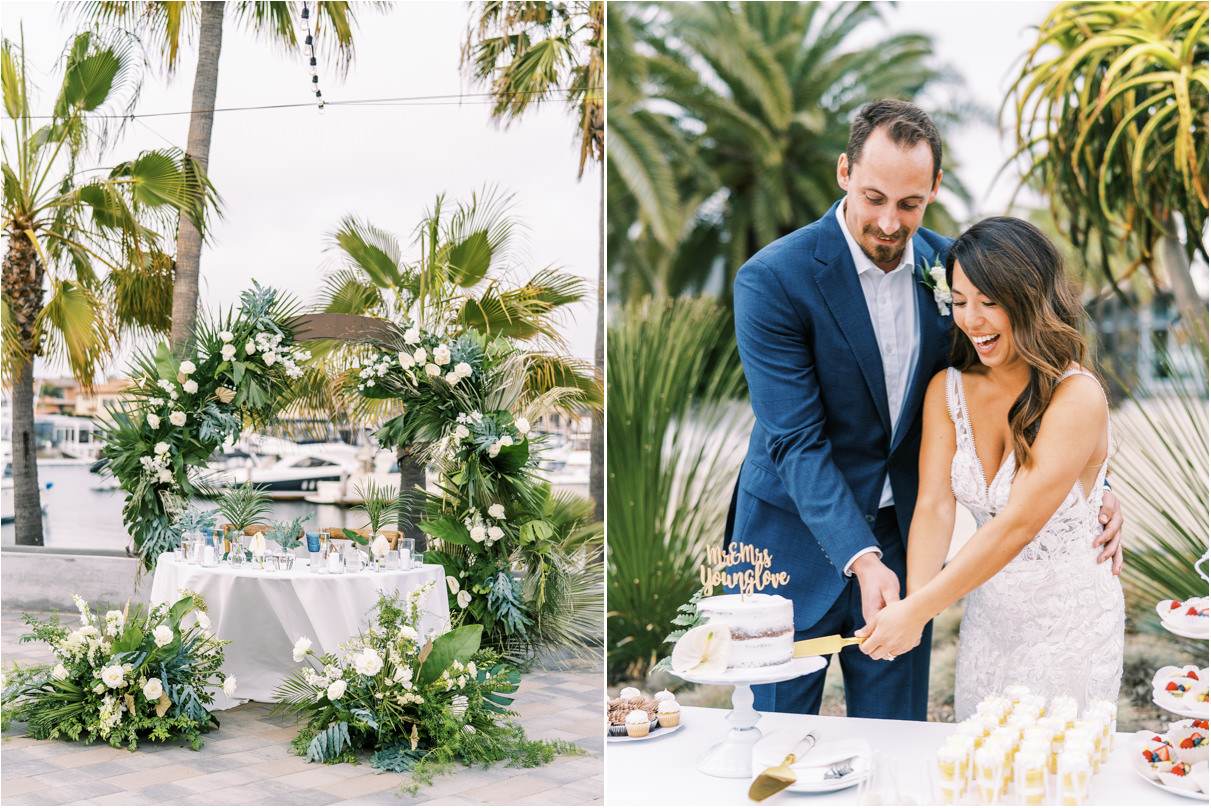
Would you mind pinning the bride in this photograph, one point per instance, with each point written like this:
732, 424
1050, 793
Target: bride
1017, 403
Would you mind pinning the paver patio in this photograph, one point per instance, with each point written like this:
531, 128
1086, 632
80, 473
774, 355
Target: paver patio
247, 761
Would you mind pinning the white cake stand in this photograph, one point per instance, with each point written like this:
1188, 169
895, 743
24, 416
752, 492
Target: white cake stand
733, 756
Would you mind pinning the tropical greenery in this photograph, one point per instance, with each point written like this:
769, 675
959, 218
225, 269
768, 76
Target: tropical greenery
467, 406
84, 259
461, 278
243, 506
678, 426
726, 122
124, 677
1110, 115
532, 52
419, 703
180, 410
380, 503
167, 26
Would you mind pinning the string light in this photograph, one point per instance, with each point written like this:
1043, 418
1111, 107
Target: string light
309, 48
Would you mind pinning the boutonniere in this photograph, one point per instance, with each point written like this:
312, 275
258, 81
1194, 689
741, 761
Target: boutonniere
933, 278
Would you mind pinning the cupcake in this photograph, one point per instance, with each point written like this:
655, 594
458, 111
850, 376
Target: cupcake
629, 693
664, 695
669, 713
637, 724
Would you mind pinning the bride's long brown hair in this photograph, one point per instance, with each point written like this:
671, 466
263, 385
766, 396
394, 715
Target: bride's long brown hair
1017, 267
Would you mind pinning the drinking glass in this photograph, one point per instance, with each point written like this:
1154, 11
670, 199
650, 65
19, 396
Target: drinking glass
393, 559
178, 553
407, 553
285, 561
323, 543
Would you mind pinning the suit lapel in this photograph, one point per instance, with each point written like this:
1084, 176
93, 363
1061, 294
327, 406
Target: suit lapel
931, 327
837, 279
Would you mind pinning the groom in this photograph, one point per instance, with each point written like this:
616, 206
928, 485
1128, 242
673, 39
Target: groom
839, 337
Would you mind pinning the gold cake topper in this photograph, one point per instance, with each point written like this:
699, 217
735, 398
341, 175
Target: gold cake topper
746, 581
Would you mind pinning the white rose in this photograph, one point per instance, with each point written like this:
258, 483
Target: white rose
177, 418
938, 273
113, 676
153, 420
190, 386
403, 676
442, 355
523, 426
229, 686
226, 336
409, 633
463, 369
336, 689
453, 378
99, 689
187, 367
405, 360
461, 432
250, 348
166, 476
163, 636
412, 336
433, 370
419, 356
301, 647
153, 690
228, 352
203, 620
174, 395
59, 672
494, 450
368, 662
458, 705
452, 583
477, 534
161, 448
464, 599
495, 534
496, 511
506, 441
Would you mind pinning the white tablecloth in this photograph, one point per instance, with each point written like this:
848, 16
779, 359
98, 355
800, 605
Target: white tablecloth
263, 613
662, 770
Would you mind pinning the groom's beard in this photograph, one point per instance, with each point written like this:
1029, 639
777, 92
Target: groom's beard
883, 253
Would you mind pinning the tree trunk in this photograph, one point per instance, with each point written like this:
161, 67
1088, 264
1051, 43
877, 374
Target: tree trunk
1177, 268
22, 283
411, 477
597, 435
201, 122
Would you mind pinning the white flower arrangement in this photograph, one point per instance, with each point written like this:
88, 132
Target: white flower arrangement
933, 278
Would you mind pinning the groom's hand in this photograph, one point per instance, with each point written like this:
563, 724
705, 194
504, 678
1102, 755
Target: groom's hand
1110, 539
878, 584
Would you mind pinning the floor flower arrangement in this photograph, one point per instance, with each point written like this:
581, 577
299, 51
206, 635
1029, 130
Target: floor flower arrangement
418, 704
122, 677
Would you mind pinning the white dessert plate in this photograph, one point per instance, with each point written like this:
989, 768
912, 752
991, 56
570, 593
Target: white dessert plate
659, 732
758, 676
1183, 633
1181, 709
1181, 792
812, 771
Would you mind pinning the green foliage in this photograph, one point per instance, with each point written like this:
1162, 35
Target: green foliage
328, 743
381, 504
244, 505
288, 534
678, 426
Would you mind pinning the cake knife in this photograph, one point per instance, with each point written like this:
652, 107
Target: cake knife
824, 645
776, 778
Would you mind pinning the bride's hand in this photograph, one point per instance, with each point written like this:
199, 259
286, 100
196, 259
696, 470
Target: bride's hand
1110, 539
895, 630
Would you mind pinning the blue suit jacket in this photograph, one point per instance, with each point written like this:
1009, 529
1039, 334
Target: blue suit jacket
811, 482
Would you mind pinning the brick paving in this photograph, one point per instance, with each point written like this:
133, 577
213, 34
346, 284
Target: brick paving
247, 761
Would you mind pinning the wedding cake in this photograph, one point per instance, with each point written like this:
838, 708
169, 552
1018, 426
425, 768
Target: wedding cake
762, 628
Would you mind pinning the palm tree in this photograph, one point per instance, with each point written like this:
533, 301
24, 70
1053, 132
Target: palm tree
457, 282
166, 23
530, 52
1111, 112
740, 110
84, 259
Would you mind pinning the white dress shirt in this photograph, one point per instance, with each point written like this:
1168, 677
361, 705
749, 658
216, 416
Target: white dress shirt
891, 302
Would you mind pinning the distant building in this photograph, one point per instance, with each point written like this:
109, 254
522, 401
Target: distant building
74, 399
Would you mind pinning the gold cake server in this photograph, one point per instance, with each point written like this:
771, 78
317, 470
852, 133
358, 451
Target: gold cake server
776, 778
824, 645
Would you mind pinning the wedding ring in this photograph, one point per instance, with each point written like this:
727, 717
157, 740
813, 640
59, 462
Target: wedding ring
890, 657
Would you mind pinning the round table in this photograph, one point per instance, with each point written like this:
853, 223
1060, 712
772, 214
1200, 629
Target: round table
264, 612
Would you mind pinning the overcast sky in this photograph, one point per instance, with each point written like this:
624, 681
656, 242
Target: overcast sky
288, 176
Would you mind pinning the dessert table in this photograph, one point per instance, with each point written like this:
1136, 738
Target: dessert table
263, 612
661, 770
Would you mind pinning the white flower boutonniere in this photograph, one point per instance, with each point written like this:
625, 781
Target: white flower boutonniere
934, 279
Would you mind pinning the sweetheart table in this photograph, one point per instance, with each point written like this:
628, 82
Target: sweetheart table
661, 769
264, 612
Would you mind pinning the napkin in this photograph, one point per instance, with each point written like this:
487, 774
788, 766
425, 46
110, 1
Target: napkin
257, 544
381, 546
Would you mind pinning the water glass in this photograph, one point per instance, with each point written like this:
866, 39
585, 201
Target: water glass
285, 562
178, 554
407, 553
393, 559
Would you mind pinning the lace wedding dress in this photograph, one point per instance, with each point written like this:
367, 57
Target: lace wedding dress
1052, 619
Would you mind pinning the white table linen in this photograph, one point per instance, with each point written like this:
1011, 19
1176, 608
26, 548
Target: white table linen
264, 612
663, 771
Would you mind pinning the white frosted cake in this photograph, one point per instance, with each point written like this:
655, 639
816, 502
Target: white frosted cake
762, 627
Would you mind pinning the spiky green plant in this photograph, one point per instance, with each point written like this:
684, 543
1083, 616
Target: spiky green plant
380, 503
677, 422
244, 505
